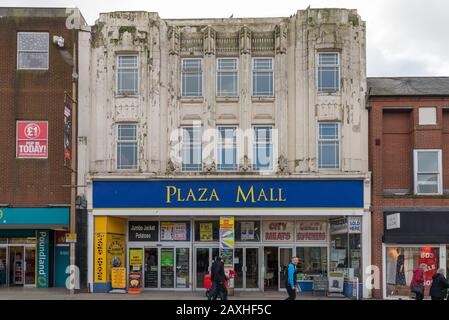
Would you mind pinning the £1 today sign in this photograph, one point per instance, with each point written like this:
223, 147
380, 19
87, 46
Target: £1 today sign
32, 140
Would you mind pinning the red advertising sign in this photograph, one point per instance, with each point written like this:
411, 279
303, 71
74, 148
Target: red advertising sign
32, 139
428, 260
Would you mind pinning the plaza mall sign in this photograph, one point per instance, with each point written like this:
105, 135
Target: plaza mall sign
32, 140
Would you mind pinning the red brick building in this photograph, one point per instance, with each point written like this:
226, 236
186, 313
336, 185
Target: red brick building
36, 65
409, 160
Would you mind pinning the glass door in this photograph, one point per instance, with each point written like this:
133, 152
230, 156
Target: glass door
203, 262
182, 268
167, 268
284, 259
238, 267
16, 264
3, 268
30, 266
151, 270
251, 268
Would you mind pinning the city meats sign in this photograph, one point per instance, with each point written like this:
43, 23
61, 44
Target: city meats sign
32, 139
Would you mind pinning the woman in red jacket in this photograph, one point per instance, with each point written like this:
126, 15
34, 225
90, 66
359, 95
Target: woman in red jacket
417, 284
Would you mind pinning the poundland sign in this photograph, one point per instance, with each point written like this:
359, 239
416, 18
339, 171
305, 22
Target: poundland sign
43, 243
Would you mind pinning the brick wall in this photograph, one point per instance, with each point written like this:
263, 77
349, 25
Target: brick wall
33, 95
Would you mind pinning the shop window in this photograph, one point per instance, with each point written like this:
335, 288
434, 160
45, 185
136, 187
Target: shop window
263, 77
263, 148
427, 167
127, 74
328, 146
207, 231
227, 149
126, 146
328, 72
32, 50
227, 77
312, 261
191, 149
400, 263
192, 78
247, 231
175, 231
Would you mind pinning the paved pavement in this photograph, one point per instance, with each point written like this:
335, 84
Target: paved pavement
63, 294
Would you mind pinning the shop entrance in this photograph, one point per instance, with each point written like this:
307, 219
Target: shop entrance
276, 261
246, 265
21, 266
203, 262
167, 268
3, 268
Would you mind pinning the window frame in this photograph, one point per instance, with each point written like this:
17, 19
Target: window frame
127, 93
202, 78
265, 70
318, 145
182, 147
117, 141
236, 71
19, 51
416, 173
318, 65
218, 150
254, 144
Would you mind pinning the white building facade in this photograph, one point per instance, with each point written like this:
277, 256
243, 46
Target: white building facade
259, 120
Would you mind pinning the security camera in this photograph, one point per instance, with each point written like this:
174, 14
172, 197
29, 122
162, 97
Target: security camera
59, 41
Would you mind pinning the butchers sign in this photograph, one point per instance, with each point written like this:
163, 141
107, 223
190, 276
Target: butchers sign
32, 139
311, 231
278, 230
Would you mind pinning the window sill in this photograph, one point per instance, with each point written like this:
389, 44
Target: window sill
262, 98
126, 95
329, 93
226, 99
191, 99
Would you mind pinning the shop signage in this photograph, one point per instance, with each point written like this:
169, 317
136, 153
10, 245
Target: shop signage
174, 231
100, 257
354, 225
339, 226
116, 250
266, 193
135, 257
143, 231
428, 260
135, 283
336, 281
42, 269
32, 140
278, 230
311, 231
70, 238
393, 221
118, 276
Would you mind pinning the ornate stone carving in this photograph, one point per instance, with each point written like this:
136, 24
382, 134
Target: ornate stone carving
210, 167
245, 164
280, 35
209, 36
173, 37
172, 167
282, 164
245, 40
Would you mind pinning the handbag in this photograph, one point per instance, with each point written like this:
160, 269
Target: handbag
419, 289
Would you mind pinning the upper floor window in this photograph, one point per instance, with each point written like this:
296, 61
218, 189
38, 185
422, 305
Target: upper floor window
427, 171
32, 50
227, 148
127, 146
263, 77
227, 77
328, 146
263, 148
427, 116
127, 74
328, 72
191, 149
192, 78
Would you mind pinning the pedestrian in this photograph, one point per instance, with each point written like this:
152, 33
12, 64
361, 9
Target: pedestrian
218, 279
417, 284
291, 278
439, 287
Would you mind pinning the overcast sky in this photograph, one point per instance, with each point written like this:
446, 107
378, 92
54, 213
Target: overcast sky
405, 37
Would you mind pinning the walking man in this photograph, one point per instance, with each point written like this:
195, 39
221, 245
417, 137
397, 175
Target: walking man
291, 278
218, 279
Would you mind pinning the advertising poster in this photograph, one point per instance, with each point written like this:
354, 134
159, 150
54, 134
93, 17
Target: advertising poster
135, 282
247, 230
227, 222
173, 231
226, 238
206, 232
115, 252
167, 258
180, 231
67, 131
278, 230
428, 259
135, 257
311, 231
32, 140
118, 276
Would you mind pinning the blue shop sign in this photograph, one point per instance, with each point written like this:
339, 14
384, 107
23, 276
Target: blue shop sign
184, 194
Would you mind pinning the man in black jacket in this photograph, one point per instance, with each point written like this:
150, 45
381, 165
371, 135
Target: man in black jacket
218, 279
439, 287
